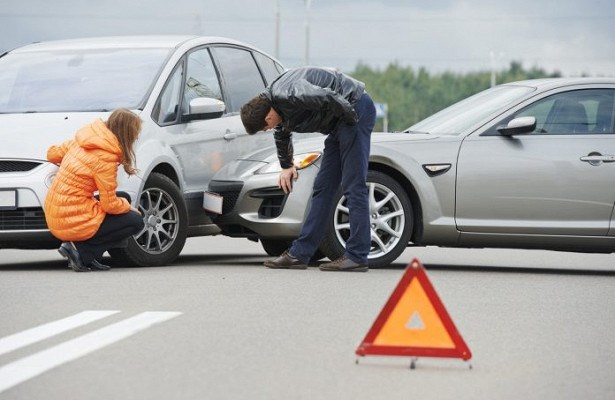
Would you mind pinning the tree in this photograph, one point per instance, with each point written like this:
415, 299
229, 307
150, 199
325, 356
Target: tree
413, 95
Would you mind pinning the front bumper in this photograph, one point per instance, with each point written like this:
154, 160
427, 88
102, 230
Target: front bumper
24, 226
257, 208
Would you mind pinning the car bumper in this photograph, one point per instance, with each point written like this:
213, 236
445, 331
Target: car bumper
24, 225
256, 207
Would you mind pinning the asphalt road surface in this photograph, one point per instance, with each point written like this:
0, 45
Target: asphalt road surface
218, 325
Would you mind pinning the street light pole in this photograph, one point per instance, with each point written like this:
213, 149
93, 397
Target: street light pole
276, 10
307, 31
492, 57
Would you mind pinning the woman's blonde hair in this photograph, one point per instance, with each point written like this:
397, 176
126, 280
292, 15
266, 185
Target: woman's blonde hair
126, 126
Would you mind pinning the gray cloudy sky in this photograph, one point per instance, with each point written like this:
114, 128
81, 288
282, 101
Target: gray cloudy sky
571, 36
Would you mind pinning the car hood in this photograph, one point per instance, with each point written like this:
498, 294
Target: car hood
28, 136
305, 145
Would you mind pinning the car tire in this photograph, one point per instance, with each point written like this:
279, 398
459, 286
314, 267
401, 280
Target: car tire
390, 233
275, 247
166, 226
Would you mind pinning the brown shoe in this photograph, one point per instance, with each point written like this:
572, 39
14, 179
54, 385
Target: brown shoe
285, 261
344, 264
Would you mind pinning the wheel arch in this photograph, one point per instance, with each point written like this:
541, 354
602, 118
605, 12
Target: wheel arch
417, 230
167, 170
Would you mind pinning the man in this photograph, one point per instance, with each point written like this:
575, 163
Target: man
311, 99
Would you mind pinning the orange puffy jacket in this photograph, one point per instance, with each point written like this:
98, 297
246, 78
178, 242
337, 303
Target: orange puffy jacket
88, 163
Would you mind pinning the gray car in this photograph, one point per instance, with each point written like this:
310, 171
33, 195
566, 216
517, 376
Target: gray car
522, 165
187, 90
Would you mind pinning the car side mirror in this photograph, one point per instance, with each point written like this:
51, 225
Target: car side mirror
205, 108
518, 126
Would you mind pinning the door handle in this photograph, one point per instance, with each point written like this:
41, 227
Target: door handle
595, 158
230, 135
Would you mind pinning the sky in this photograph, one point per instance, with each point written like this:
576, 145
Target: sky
573, 37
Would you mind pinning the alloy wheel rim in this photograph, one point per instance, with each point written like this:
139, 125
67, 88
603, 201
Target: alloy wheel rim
161, 218
387, 221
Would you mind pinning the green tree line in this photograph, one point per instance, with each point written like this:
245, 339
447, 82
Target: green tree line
412, 95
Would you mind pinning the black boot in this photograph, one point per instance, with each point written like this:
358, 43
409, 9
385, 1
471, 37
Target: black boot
97, 266
68, 250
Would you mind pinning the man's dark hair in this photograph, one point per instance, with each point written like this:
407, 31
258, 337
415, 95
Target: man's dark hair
253, 114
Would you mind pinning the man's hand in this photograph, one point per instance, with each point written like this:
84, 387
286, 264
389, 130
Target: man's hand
287, 176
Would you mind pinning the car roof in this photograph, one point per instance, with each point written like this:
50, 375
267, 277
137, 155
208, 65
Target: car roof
550, 83
144, 41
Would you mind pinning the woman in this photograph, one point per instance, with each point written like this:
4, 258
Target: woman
90, 224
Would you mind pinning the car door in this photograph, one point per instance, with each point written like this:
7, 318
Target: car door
204, 146
558, 180
241, 79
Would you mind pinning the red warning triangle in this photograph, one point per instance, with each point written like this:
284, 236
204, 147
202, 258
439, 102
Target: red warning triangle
414, 322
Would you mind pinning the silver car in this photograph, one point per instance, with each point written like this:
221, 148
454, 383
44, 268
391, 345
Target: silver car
187, 90
522, 165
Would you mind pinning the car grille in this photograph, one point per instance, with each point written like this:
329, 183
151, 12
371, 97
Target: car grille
230, 199
22, 219
273, 202
17, 166
229, 190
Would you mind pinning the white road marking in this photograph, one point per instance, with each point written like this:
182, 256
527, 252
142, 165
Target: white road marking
27, 368
41, 332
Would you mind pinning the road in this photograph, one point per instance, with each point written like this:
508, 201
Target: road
218, 325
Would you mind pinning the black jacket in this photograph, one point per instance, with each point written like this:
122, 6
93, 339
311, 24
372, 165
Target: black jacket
311, 99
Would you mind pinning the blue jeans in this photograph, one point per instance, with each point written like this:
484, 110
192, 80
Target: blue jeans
345, 161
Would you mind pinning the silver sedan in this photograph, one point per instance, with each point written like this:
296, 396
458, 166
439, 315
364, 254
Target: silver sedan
521, 165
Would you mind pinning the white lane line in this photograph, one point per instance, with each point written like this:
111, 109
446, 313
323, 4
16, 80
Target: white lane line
41, 332
27, 368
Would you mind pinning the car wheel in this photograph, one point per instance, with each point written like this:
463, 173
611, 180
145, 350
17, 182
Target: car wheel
275, 247
391, 219
166, 225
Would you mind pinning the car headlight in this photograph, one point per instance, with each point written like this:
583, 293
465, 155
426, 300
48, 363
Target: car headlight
301, 161
49, 179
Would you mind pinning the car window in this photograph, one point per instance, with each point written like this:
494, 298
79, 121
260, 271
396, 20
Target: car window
166, 110
587, 111
201, 78
268, 67
463, 115
241, 77
88, 79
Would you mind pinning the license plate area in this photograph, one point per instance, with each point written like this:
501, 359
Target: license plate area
8, 199
212, 202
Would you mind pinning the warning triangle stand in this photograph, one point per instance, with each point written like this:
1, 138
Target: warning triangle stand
414, 323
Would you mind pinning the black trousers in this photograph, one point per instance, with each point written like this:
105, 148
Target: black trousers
112, 233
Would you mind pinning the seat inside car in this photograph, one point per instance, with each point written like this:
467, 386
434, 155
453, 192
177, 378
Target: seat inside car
567, 116
604, 117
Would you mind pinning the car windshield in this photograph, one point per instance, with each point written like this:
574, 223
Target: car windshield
463, 115
84, 80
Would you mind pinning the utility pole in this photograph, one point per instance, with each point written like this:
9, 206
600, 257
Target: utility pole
308, 3
492, 56
276, 10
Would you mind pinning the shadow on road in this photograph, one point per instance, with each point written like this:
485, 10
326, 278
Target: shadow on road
257, 259
236, 260
35, 266
507, 269
230, 260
